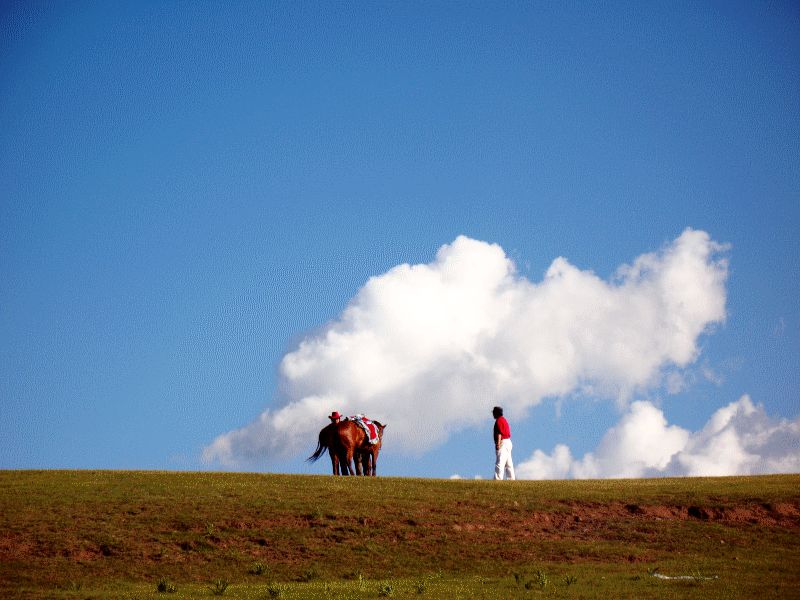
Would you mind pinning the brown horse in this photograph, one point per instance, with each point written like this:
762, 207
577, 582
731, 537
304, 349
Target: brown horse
346, 440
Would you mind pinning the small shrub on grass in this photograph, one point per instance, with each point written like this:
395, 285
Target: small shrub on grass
219, 587
165, 587
539, 580
274, 590
385, 590
570, 579
258, 568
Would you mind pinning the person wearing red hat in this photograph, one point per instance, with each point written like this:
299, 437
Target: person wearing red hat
335, 417
502, 444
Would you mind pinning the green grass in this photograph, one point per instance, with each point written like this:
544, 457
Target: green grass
85, 534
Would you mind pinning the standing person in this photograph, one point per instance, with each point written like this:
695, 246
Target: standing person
335, 417
502, 443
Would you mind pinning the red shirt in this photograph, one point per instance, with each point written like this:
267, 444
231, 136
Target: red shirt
501, 427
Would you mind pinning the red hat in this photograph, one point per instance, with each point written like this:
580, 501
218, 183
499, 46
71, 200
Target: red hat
335, 415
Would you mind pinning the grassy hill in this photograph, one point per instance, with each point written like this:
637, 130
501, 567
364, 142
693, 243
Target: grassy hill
85, 534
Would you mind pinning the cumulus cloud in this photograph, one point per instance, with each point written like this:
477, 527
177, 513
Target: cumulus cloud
739, 439
451, 338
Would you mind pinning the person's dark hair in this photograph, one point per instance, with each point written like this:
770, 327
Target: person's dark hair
497, 411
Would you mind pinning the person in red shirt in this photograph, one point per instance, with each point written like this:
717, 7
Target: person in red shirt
502, 443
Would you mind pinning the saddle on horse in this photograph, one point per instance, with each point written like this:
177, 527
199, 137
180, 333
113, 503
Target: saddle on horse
367, 425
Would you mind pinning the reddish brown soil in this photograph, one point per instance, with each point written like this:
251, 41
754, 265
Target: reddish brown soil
261, 538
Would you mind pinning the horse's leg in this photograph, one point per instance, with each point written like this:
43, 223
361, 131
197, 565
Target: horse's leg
374, 467
359, 463
334, 461
341, 461
348, 447
349, 461
365, 456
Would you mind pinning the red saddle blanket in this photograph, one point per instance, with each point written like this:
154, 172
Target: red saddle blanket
368, 426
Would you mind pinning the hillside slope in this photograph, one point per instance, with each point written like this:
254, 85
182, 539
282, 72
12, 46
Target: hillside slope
62, 527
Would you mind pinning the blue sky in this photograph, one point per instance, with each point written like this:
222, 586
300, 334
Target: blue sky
189, 190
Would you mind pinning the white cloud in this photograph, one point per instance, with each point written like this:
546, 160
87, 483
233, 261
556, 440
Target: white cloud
431, 348
739, 439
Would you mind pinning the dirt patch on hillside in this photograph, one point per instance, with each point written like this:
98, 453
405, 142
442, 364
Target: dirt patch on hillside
723, 511
292, 538
772, 515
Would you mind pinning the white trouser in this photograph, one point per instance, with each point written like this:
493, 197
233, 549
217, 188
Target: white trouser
503, 461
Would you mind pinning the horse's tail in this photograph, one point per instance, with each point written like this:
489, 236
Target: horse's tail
322, 446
